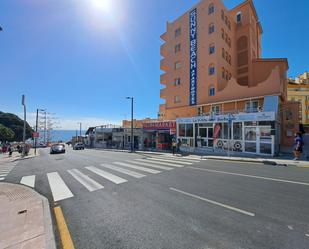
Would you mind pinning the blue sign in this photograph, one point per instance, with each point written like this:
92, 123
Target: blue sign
193, 56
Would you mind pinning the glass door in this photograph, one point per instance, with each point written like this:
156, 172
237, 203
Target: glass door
258, 140
251, 139
206, 136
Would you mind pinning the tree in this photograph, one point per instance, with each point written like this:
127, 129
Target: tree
14, 123
6, 134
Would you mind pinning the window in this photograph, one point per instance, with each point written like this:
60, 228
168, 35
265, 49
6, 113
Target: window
177, 32
212, 91
229, 42
215, 109
230, 76
223, 73
226, 56
211, 49
211, 28
229, 24
230, 60
185, 130
222, 33
177, 82
252, 106
222, 14
177, 48
177, 99
225, 20
227, 75
177, 65
223, 53
238, 17
211, 8
211, 69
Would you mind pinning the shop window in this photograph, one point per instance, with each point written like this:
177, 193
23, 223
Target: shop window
185, 130
177, 48
212, 48
212, 91
237, 131
211, 28
226, 131
211, 69
211, 8
177, 32
177, 65
250, 133
177, 82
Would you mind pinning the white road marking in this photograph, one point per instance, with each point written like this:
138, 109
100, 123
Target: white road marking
152, 171
124, 171
168, 160
142, 163
1, 178
290, 227
107, 175
214, 202
58, 187
161, 163
307, 234
85, 180
252, 176
3, 175
28, 181
179, 158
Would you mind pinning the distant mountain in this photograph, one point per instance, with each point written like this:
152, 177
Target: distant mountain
14, 123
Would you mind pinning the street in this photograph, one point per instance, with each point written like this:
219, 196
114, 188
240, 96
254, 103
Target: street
121, 200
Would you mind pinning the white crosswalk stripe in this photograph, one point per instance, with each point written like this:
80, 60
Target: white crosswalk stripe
58, 187
85, 180
28, 181
162, 163
1, 178
124, 171
182, 158
152, 171
146, 163
107, 175
168, 160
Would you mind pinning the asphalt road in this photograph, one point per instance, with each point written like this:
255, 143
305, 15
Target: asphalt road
173, 203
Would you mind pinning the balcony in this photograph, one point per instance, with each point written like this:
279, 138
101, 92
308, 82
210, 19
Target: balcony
163, 50
163, 65
163, 79
163, 93
164, 37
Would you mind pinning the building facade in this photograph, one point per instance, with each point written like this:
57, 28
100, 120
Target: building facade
298, 91
217, 86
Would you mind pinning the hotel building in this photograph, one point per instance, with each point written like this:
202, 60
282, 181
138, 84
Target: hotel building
217, 87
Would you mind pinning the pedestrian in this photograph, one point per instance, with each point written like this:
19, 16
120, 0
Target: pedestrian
178, 145
10, 150
174, 145
19, 149
298, 148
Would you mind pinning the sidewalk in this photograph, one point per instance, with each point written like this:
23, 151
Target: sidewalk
283, 160
25, 219
16, 156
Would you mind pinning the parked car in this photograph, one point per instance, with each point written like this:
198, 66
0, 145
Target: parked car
57, 148
79, 146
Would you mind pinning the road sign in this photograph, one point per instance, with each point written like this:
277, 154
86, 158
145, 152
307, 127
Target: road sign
35, 135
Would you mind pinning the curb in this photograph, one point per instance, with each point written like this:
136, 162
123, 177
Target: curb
20, 193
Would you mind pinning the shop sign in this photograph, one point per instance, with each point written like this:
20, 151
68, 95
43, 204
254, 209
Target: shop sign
164, 125
193, 56
259, 116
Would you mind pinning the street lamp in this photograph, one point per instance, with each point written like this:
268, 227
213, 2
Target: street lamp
132, 137
23, 102
80, 131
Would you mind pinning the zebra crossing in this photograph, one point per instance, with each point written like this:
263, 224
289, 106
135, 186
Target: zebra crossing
5, 169
135, 168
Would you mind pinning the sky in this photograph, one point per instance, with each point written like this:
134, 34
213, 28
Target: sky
80, 59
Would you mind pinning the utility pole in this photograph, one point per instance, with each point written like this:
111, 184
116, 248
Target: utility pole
80, 131
36, 129
23, 102
132, 135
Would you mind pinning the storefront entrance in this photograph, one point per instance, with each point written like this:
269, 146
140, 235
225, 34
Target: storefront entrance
206, 136
258, 139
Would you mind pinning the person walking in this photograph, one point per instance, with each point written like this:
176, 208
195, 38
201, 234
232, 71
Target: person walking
178, 145
10, 150
298, 148
174, 145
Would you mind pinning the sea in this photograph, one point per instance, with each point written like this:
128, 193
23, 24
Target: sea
64, 135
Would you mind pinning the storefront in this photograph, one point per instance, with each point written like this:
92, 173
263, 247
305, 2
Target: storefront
244, 132
159, 135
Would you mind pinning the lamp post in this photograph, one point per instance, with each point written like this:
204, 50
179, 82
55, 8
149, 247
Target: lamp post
80, 131
23, 102
132, 137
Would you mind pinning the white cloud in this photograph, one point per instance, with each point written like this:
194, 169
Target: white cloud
71, 123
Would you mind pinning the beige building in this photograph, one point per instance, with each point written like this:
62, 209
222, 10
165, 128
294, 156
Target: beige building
298, 90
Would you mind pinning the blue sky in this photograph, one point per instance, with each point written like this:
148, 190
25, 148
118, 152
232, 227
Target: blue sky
81, 61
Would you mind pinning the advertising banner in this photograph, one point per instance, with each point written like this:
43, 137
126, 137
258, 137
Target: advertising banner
193, 56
